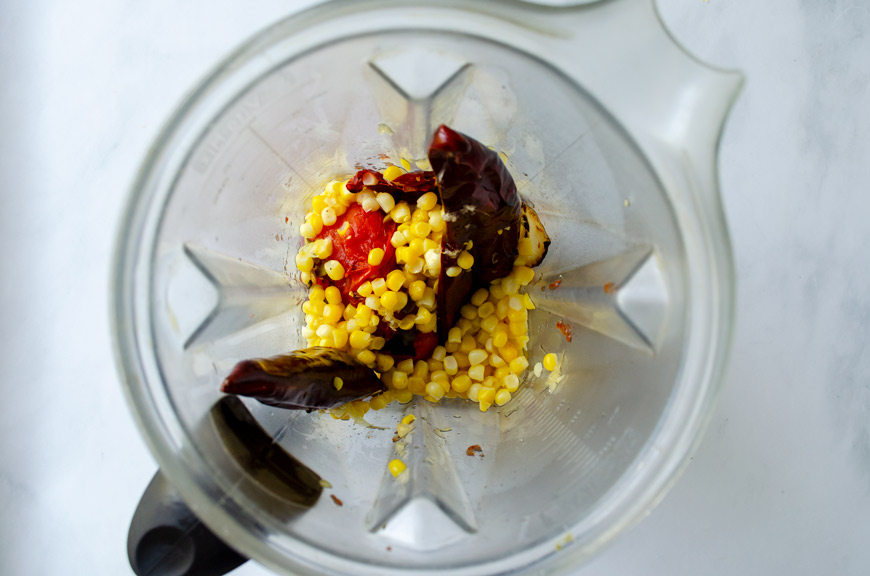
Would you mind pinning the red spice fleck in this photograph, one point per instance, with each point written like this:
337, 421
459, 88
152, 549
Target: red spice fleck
286, 219
556, 284
472, 449
336, 500
566, 330
389, 548
609, 288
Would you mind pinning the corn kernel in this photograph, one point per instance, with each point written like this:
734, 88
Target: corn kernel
435, 390
479, 297
439, 376
324, 331
416, 385
423, 316
315, 220
328, 216
428, 299
524, 275
550, 361
433, 261
474, 391
376, 256
527, 302
395, 280
318, 203
339, 337
401, 213
511, 382
477, 356
304, 262
518, 364
427, 201
385, 362
389, 300
359, 339
407, 322
363, 314
496, 361
322, 248
365, 289
488, 322
306, 332
486, 310
465, 260
510, 285
379, 402
367, 357
405, 164
486, 395
454, 335
415, 265
436, 221
306, 230
333, 295
400, 380
508, 352
338, 383
502, 397
379, 286
460, 383
403, 300
385, 201
397, 240
392, 172
404, 396
421, 229
454, 271
396, 467
476, 372
484, 406
421, 369
451, 366
468, 344
334, 270
468, 311
332, 313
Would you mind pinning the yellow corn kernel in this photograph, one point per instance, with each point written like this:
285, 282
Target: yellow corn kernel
436, 221
477, 356
474, 391
373, 322
523, 274
395, 280
324, 331
339, 337
502, 397
439, 353
502, 373
465, 260
401, 213
367, 357
518, 328
359, 339
397, 240
486, 395
514, 303
342, 230
427, 201
435, 390
416, 385
334, 270
333, 295
400, 380
408, 419
376, 256
332, 313
305, 278
407, 322
454, 335
328, 216
460, 383
511, 382
379, 402
433, 261
415, 247
518, 364
338, 383
453, 271
496, 361
402, 254
306, 230
405, 164
403, 300
421, 369
508, 352
468, 311
468, 344
441, 377
479, 297
423, 316
484, 406
389, 300
476, 373
304, 262
499, 336
421, 229
318, 203
392, 172
396, 467
488, 322
415, 265
550, 361
404, 396
527, 302
486, 310
385, 201
379, 286
365, 289
385, 362
315, 220
322, 248
434, 366
428, 299
363, 314
451, 366
510, 285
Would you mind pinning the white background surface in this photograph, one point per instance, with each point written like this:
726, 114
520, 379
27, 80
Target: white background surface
781, 484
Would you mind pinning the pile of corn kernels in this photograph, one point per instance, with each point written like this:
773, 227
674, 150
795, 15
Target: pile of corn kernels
484, 355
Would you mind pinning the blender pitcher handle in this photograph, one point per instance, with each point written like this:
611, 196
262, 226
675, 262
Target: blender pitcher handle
167, 539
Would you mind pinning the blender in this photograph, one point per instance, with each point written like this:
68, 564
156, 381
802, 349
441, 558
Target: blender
610, 130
